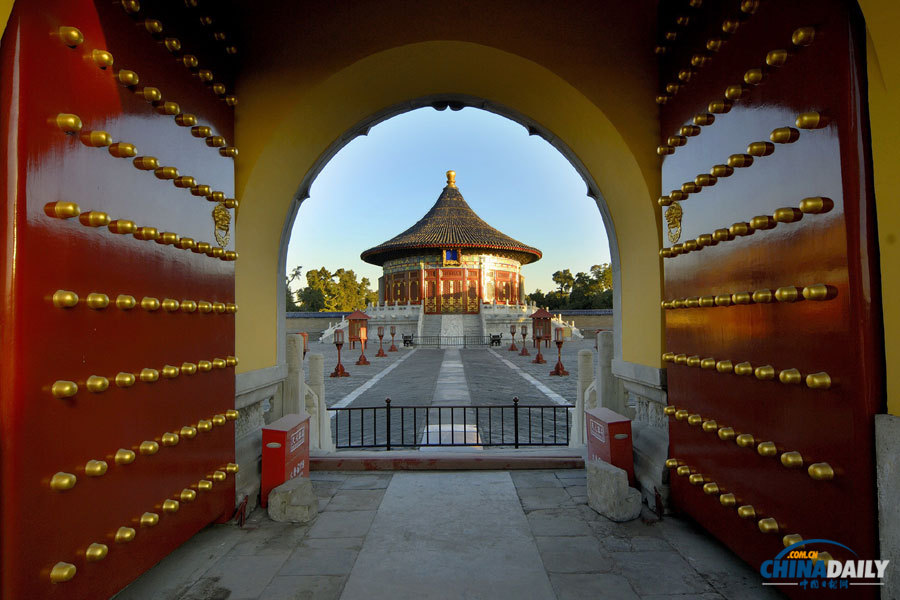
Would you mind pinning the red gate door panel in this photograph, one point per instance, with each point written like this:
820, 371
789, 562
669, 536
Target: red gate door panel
772, 328
118, 297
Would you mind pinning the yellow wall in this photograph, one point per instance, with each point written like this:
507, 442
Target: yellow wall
5, 9
282, 151
882, 18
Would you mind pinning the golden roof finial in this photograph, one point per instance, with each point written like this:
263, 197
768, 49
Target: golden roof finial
451, 179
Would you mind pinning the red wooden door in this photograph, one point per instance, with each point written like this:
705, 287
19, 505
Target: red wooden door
452, 291
772, 322
432, 300
116, 420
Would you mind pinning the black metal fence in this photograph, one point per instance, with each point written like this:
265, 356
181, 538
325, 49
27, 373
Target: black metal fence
463, 341
390, 427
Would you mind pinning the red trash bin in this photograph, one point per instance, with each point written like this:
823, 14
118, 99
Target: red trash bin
285, 452
609, 439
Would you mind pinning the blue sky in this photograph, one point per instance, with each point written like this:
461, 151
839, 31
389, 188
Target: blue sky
380, 184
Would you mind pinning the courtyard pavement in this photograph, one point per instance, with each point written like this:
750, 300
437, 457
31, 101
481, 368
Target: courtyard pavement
431, 377
489, 376
436, 535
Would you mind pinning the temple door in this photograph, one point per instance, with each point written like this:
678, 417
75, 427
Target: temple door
451, 291
473, 303
116, 419
772, 323
431, 305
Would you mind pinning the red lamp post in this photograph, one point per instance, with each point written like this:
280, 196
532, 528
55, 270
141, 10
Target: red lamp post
363, 336
538, 336
339, 370
393, 348
512, 334
559, 369
524, 351
380, 353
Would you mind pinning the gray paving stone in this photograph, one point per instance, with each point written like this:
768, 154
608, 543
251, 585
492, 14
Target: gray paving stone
304, 587
571, 474
536, 498
646, 543
564, 386
576, 490
459, 538
343, 524
723, 569
557, 522
322, 557
576, 586
534, 479
449, 535
271, 541
492, 382
327, 476
738, 587
659, 573
581, 554
243, 577
367, 482
326, 489
612, 543
411, 383
338, 387
356, 500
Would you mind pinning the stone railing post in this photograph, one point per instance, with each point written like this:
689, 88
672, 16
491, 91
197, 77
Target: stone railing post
585, 377
607, 395
293, 385
320, 420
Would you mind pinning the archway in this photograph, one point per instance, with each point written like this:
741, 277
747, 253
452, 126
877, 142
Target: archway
397, 80
455, 102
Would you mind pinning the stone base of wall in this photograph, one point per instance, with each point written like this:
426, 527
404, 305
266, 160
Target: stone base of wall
645, 388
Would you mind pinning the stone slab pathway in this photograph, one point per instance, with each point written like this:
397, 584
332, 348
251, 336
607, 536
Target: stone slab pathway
449, 535
484, 535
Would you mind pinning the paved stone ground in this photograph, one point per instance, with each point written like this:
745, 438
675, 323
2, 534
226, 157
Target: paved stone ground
490, 380
491, 376
415, 382
372, 523
564, 386
338, 387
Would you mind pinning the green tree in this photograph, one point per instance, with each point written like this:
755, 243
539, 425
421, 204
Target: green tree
289, 295
603, 274
537, 297
311, 299
338, 291
580, 291
564, 280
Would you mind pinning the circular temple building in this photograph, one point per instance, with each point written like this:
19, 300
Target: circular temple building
451, 261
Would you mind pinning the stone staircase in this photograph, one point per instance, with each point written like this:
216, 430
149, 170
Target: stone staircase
451, 328
472, 326
431, 325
